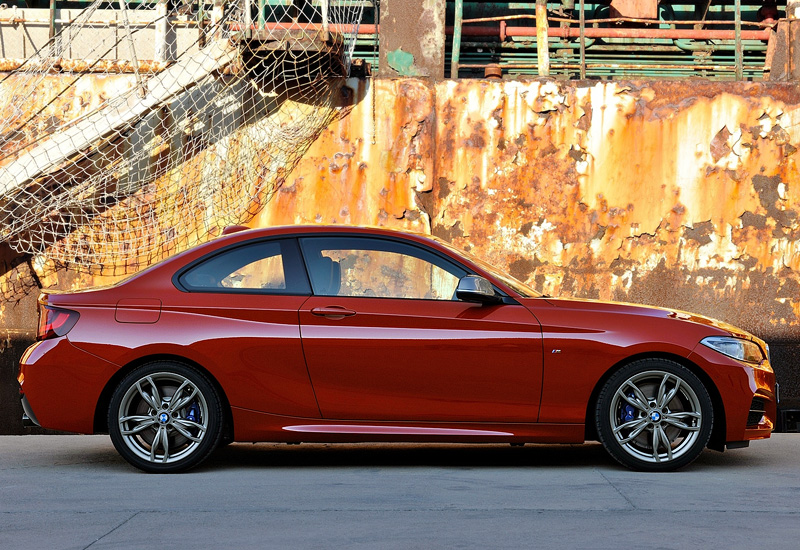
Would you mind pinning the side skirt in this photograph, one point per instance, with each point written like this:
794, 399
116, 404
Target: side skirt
255, 426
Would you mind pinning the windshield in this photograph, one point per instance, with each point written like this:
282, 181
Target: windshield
519, 287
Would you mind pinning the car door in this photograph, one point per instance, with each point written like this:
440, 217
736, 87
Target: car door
385, 339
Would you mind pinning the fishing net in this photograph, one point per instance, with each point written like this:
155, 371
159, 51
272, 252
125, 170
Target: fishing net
140, 131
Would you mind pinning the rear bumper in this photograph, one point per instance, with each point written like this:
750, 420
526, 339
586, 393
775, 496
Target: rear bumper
28, 417
62, 384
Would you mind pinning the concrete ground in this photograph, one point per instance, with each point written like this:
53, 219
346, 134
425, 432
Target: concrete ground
75, 492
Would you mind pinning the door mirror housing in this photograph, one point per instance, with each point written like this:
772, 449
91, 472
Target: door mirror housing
472, 288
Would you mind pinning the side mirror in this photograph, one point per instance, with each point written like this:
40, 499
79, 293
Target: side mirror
472, 288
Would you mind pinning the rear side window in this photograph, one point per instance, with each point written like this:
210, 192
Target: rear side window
269, 267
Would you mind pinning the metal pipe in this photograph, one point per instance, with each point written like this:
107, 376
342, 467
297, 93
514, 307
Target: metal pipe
688, 45
217, 13
542, 48
638, 66
591, 32
202, 23
91, 66
52, 32
94, 22
369, 29
606, 20
131, 47
457, 28
325, 23
161, 31
563, 45
552, 32
582, 39
738, 32
247, 18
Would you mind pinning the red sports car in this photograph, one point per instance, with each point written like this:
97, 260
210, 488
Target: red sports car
341, 334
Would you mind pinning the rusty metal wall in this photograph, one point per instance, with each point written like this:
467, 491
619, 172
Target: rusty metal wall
681, 194
674, 193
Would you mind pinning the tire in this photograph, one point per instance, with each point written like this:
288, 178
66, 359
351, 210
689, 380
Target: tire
152, 431
654, 415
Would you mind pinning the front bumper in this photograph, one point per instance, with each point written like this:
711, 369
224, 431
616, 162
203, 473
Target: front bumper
747, 394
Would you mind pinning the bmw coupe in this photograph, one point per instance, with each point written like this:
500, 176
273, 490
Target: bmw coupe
343, 334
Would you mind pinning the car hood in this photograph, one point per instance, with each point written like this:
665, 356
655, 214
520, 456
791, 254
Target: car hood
647, 311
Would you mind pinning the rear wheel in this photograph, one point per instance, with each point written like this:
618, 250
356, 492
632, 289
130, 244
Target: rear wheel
655, 415
165, 417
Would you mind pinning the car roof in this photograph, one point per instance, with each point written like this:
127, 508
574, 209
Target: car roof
242, 235
298, 230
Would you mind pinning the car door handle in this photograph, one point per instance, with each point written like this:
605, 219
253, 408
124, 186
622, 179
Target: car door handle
333, 312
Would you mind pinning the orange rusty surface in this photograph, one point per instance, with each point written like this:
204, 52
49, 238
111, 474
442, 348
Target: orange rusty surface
681, 194
640, 192
678, 194
345, 178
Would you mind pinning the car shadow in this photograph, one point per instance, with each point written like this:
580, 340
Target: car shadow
415, 455
314, 455
255, 456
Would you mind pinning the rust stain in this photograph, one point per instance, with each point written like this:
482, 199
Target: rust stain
54, 102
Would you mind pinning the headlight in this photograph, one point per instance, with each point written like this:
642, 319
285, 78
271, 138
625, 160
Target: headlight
743, 350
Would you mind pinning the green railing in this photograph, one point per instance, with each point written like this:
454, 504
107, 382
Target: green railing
712, 39
721, 40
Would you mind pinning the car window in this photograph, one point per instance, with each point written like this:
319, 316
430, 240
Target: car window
257, 267
382, 268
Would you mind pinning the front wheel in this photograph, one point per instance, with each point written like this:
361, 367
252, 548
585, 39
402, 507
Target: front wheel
165, 417
654, 415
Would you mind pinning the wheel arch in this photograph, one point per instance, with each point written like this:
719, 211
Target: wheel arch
101, 410
718, 433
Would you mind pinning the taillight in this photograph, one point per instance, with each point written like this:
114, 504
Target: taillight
54, 322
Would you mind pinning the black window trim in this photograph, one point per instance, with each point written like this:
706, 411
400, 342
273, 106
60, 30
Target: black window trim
293, 262
427, 249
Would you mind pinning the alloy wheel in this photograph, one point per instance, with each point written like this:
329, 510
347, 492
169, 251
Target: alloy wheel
654, 414
165, 419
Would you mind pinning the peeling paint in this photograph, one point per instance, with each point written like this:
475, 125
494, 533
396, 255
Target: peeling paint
402, 62
628, 190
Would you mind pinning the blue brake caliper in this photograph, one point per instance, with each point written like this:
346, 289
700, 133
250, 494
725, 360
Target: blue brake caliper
627, 413
191, 416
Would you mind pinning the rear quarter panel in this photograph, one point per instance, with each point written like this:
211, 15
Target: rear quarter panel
249, 344
63, 384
